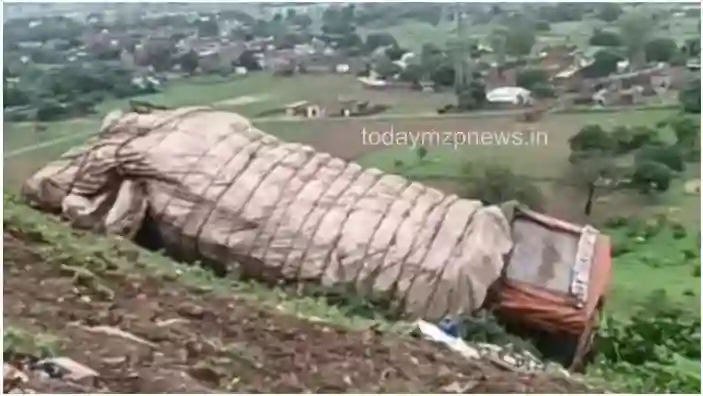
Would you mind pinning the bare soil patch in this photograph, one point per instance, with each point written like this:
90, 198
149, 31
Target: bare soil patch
144, 333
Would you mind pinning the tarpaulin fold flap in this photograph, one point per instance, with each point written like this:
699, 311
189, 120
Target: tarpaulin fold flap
219, 189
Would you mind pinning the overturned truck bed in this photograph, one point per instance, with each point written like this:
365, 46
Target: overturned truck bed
206, 185
219, 190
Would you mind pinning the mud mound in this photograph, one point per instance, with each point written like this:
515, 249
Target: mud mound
147, 333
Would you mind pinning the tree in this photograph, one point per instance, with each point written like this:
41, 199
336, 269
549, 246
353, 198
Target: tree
208, 27
592, 170
542, 26
520, 39
686, 129
528, 78
690, 97
421, 153
248, 60
473, 96
591, 138
497, 40
651, 176
692, 48
444, 74
386, 68
543, 90
627, 139
376, 40
496, 184
605, 63
609, 12
670, 156
412, 73
394, 53
635, 30
338, 20
660, 50
604, 38
189, 62
302, 20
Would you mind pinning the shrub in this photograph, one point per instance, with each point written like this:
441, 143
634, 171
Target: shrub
657, 350
690, 97
528, 78
496, 184
678, 231
697, 271
616, 222
651, 229
543, 90
660, 50
604, 38
542, 26
689, 254
620, 247
421, 153
651, 176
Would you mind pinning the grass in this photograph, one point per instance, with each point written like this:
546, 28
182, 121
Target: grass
654, 265
23, 342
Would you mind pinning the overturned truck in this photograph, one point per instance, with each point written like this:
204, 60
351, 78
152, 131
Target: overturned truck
207, 185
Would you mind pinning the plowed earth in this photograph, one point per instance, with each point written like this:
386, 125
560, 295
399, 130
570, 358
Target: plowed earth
180, 338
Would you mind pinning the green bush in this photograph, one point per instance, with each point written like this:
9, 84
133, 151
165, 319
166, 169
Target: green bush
603, 38
656, 351
543, 90
496, 184
689, 254
635, 227
651, 229
678, 231
620, 247
616, 222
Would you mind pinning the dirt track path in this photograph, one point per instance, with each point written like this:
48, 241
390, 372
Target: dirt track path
189, 339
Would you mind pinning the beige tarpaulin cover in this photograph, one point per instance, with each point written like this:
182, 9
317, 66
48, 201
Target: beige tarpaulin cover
221, 190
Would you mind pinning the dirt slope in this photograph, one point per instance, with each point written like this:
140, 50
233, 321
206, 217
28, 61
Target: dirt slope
181, 337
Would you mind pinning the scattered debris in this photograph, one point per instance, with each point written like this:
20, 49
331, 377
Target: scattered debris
506, 357
63, 367
113, 331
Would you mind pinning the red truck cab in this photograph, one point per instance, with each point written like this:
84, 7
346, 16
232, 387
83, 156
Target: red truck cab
554, 285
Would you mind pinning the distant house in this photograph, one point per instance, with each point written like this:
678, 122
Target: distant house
335, 108
556, 59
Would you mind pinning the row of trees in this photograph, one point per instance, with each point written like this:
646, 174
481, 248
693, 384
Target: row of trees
599, 164
658, 49
602, 161
68, 91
